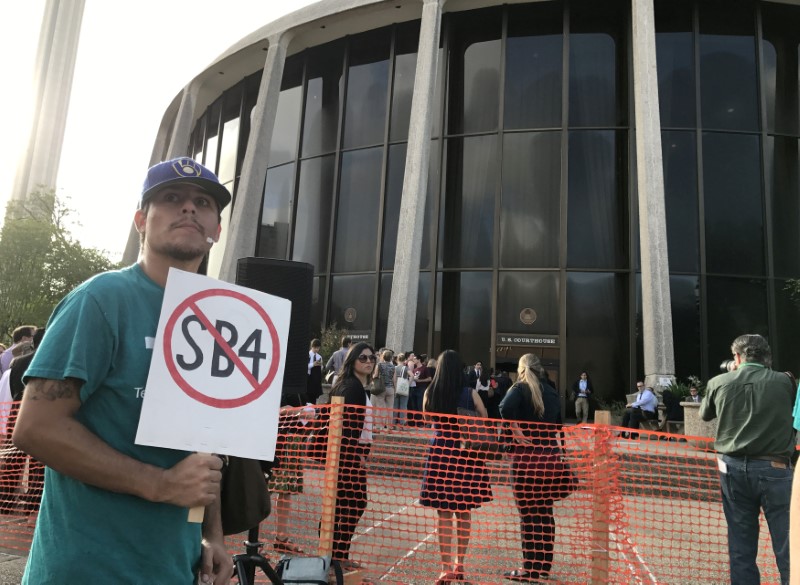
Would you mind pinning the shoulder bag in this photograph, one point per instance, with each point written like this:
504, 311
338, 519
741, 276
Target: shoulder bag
244, 499
403, 385
378, 386
478, 436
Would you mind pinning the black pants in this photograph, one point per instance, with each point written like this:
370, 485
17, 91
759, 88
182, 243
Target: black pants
351, 501
633, 416
536, 522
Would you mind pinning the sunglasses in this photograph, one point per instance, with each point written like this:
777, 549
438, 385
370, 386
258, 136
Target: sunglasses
367, 358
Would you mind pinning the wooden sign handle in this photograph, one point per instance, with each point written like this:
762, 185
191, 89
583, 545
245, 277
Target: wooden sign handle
197, 513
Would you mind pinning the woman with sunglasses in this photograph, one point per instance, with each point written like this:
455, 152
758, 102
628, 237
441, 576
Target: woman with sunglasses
453, 483
351, 486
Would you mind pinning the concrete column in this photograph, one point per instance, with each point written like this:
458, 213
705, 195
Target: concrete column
405, 282
182, 128
659, 360
54, 71
241, 239
178, 145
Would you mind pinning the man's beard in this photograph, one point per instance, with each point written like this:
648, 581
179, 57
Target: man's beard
181, 253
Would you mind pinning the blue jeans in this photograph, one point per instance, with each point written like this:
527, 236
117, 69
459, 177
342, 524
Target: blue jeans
749, 486
400, 405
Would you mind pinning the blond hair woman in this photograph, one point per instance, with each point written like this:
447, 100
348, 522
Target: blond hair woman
533, 408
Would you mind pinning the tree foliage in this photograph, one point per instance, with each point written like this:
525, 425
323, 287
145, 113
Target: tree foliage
331, 338
40, 260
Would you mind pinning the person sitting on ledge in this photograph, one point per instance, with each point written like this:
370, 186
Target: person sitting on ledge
644, 407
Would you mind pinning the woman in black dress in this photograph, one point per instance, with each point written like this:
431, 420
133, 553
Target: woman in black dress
351, 486
536, 459
453, 483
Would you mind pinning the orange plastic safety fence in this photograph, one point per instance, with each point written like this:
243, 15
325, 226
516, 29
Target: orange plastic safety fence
21, 482
583, 504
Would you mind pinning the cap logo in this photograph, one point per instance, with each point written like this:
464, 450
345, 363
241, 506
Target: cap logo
186, 167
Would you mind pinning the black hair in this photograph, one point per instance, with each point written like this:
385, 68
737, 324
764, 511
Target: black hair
348, 367
447, 384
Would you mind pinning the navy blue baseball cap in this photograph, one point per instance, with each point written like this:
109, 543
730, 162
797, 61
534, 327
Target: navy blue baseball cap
184, 170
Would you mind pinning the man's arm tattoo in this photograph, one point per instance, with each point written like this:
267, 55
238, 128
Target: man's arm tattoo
51, 390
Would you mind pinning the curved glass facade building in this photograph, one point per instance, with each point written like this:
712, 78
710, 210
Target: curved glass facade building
530, 233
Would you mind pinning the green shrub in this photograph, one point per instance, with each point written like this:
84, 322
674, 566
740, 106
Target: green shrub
331, 338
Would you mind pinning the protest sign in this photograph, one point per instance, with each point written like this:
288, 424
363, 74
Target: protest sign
217, 369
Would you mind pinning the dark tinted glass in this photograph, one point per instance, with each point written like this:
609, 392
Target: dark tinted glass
675, 57
528, 290
469, 202
530, 206
353, 291
786, 344
273, 236
474, 70
597, 330
422, 323
728, 83
782, 161
357, 216
781, 39
367, 85
733, 206
323, 89
534, 66
685, 302
597, 217
405, 66
317, 305
384, 296
212, 136
680, 195
283, 147
465, 302
312, 222
735, 306
431, 201
597, 64
391, 209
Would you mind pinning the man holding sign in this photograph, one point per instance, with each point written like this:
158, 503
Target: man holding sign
114, 511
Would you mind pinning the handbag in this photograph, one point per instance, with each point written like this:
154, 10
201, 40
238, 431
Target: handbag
244, 499
403, 385
480, 436
378, 386
308, 570
564, 481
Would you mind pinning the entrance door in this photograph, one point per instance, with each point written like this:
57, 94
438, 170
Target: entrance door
507, 359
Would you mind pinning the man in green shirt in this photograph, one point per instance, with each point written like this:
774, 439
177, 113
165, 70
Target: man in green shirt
755, 442
114, 511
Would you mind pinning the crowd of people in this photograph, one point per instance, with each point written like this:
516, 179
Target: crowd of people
83, 391
455, 480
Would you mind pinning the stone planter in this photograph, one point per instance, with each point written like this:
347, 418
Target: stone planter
694, 426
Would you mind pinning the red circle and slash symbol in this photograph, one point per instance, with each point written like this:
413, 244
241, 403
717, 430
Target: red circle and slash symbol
258, 386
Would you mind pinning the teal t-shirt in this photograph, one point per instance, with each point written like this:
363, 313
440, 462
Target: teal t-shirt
102, 333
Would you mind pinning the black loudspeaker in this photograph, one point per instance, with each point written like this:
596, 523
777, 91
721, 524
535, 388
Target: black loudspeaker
293, 281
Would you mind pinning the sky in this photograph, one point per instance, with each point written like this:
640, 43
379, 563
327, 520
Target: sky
133, 59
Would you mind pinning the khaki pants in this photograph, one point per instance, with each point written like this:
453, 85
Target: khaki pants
582, 409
